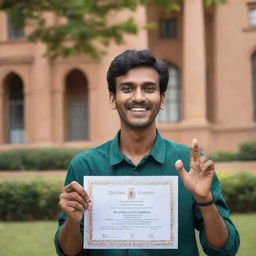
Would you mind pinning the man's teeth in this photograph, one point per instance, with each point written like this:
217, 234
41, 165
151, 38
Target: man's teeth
138, 109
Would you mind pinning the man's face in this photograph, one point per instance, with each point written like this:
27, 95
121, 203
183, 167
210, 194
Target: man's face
138, 97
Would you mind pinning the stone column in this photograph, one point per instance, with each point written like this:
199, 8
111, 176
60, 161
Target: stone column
27, 117
2, 121
194, 63
58, 115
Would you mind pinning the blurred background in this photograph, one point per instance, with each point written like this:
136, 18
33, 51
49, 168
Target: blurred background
54, 100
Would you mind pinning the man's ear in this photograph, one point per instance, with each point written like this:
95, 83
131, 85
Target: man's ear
112, 100
162, 105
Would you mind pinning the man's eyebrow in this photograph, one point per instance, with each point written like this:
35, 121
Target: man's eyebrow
125, 84
150, 83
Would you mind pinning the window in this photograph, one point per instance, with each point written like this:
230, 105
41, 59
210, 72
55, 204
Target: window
252, 12
168, 28
254, 85
13, 32
76, 104
172, 111
15, 110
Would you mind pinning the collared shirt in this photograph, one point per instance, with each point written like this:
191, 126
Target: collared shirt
108, 160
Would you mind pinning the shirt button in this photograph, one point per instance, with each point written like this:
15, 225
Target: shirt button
135, 173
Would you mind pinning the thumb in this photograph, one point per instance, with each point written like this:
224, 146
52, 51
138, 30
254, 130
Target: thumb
180, 168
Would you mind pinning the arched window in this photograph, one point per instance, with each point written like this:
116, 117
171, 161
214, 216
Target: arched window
76, 106
254, 84
15, 109
172, 111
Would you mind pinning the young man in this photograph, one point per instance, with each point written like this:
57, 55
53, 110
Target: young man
137, 83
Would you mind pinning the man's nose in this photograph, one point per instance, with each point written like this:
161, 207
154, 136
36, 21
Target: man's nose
138, 95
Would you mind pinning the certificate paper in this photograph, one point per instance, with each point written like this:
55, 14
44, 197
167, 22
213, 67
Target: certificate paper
131, 212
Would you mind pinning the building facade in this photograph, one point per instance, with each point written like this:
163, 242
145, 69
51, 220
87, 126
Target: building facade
211, 53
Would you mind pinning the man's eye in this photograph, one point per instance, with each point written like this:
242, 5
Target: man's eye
150, 89
126, 89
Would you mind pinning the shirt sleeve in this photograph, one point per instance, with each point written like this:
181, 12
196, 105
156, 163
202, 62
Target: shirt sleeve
62, 217
232, 244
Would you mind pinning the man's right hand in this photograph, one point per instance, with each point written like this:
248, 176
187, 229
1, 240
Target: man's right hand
74, 201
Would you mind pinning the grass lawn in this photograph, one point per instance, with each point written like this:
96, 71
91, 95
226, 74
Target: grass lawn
35, 238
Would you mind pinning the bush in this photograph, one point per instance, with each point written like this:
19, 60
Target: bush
29, 200
239, 191
247, 151
36, 159
223, 156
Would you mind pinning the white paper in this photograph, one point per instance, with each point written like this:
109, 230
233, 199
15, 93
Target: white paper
131, 212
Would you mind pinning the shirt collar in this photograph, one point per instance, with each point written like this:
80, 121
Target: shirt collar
158, 151
115, 154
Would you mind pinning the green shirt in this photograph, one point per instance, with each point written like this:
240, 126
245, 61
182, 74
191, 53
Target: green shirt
107, 160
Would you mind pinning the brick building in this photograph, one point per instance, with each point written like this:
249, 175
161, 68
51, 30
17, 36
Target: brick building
211, 53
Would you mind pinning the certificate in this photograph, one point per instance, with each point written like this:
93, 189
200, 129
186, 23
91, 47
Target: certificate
131, 212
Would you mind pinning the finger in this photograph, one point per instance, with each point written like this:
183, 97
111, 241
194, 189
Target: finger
208, 166
180, 168
203, 159
75, 186
194, 151
73, 196
77, 206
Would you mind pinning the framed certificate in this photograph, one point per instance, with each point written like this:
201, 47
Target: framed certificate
131, 212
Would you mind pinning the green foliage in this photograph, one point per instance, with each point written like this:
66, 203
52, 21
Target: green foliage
247, 152
86, 22
222, 156
36, 159
36, 199
239, 191
29, 200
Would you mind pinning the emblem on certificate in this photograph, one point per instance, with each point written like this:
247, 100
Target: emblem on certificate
131, 212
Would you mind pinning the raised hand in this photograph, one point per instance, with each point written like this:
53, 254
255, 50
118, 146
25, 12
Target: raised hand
199, 178
74, 201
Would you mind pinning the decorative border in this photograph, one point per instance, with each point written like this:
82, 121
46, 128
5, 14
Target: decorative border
91, 181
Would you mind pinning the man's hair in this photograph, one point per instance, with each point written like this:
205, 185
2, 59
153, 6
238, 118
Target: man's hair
132, 59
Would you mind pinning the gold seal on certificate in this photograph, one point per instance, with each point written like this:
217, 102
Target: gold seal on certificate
131, 212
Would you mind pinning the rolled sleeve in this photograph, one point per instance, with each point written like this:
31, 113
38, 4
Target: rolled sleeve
232, 245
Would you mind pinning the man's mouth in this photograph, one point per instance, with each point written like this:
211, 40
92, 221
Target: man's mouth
139, 109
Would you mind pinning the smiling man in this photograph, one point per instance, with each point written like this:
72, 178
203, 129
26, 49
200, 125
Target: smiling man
137, 83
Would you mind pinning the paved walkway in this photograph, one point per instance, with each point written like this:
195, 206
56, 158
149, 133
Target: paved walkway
228, 167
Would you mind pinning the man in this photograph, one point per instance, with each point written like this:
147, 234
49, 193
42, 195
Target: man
137, 83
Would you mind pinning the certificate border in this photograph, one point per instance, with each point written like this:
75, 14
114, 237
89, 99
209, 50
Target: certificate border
90, 181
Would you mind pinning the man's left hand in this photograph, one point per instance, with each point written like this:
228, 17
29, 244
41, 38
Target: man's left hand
199, 178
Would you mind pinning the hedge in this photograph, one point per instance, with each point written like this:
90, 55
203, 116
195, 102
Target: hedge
29, 200
239, 191
38, 199
246, 152
37, 158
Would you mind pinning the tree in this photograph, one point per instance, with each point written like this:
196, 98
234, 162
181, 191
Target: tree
86, 22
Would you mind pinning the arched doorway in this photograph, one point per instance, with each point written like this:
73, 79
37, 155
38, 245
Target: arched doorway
76, 106
14, 102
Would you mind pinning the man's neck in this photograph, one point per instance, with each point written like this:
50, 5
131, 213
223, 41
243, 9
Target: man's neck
136, 143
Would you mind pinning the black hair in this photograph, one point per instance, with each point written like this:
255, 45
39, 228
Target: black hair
136, 58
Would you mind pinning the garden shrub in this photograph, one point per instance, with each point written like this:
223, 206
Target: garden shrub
37, 199
239, 190
222, 156
29, 199
37, 158
247, 151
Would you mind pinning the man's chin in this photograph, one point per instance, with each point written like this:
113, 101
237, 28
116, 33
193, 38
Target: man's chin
139, 125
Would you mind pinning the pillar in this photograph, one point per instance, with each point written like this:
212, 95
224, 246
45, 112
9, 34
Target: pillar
194, 63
